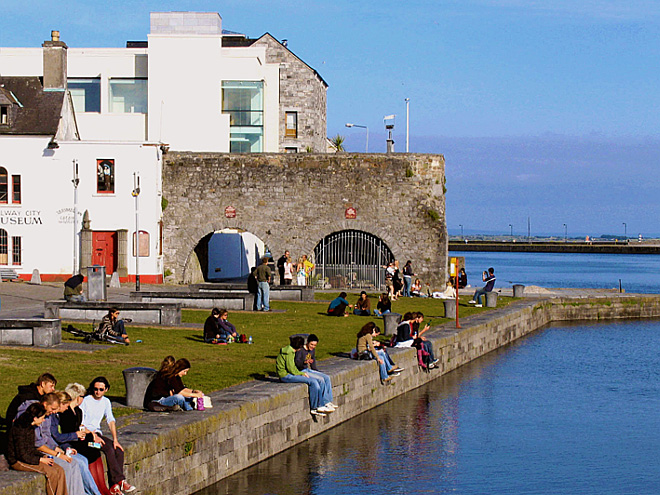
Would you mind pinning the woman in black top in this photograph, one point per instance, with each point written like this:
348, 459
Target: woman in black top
180, 395
22, 454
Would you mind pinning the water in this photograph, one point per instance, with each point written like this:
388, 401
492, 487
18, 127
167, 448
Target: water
566, 410
639, 273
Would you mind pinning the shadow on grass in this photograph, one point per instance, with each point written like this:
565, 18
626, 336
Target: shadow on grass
195, 338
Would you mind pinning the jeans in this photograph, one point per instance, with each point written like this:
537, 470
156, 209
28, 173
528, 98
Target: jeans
386, 366
407, 283
362, 312
119, 328
379, 313
478, 293
75, 298
326, 385
88, 482
263, 297
312, 384
74, 482
177, 400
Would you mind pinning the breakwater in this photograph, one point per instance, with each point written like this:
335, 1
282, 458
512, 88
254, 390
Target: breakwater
555, 247
182, 453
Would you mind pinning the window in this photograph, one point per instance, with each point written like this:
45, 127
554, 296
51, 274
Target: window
3, 247
4, 115
291, 128
16, 251
243, 101
128, 95
144, 244
105, 171
290, 149
16, 189
4, 196
86, 94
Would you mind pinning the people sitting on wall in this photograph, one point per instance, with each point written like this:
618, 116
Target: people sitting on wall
488, 277
45, 384
113, 327
73, 289
159, 390
23, 455
384, 305
288, 372
305, 360
408, 330
168, 388
338, 305
367, 349
363, 305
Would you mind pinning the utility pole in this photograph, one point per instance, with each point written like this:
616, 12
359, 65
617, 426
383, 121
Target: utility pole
407, 125
136, 193
76, 243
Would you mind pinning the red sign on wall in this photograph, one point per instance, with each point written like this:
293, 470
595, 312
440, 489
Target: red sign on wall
350, 213
230, 212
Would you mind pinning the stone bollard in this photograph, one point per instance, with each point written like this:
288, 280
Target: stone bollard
518, 290
36, 278
450, 308
137, 380
114, 280
491, 299
390, 322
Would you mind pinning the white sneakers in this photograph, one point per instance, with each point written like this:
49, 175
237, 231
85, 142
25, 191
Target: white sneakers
472, 302
324, 410
478, 305
316, 412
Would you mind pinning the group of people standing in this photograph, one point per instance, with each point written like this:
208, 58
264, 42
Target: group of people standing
58, 433
302, 270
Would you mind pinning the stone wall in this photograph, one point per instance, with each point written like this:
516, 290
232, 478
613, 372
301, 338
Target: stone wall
292, 201
302, 90
179, 454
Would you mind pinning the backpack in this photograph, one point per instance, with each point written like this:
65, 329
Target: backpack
423, 356
242, 339
392, 342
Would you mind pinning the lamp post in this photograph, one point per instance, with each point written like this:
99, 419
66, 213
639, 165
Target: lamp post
75, 181
366, 148
565, 232
461, 226
625, 231
136, 193
511, 229
407, 125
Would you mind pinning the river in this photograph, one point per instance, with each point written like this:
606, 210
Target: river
638, 273
570, 409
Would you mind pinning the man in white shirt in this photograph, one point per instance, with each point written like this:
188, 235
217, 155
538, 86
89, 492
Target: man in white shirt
95, 406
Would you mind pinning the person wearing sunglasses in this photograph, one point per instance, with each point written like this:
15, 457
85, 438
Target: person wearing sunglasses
95, 407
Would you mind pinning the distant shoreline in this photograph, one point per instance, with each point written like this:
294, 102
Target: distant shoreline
602, 247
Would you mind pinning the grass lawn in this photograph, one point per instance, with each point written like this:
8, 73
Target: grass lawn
213, 366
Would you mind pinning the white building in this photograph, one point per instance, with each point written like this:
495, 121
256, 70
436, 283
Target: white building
190, 87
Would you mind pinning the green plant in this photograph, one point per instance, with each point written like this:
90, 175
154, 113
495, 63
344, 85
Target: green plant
338, 143
435, 216
409, 172
167, 272
163, 203
444, 185
188, 448
309, 149
137, 466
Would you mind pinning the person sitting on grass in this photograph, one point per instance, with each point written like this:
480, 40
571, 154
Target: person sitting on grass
306, 362
384, 305
363, 305
217, 330
368, 350
417, 289
23, 455
113, 327
288, 372
227, 329
45, 384
338, 306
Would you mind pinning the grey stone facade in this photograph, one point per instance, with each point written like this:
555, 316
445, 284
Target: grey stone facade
302, 90
292, 201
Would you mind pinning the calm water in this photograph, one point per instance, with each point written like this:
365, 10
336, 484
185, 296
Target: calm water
638, 272
567, 410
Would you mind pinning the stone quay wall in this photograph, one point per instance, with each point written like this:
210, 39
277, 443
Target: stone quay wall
293, 200
179, 454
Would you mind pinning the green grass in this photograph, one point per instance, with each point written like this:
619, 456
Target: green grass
213, 366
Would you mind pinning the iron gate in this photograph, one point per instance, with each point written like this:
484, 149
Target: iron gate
351, 259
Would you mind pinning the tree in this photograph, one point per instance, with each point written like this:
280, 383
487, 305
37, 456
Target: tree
338, 143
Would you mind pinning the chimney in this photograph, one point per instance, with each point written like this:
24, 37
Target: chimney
54, 63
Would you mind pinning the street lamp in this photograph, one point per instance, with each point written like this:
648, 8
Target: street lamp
625, 230
136, 193
565, 232
407, 125
366, 149
75, 181
511, 229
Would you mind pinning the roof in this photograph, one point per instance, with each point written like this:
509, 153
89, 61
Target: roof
34, 111
287, 49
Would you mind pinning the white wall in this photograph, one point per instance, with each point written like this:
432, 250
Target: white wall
46, 209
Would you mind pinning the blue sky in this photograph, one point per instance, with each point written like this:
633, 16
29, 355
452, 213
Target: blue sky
543, 109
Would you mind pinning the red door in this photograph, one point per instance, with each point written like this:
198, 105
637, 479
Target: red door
104, 250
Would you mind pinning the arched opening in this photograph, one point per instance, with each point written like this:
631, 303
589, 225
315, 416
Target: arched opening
352, 259
225, 255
